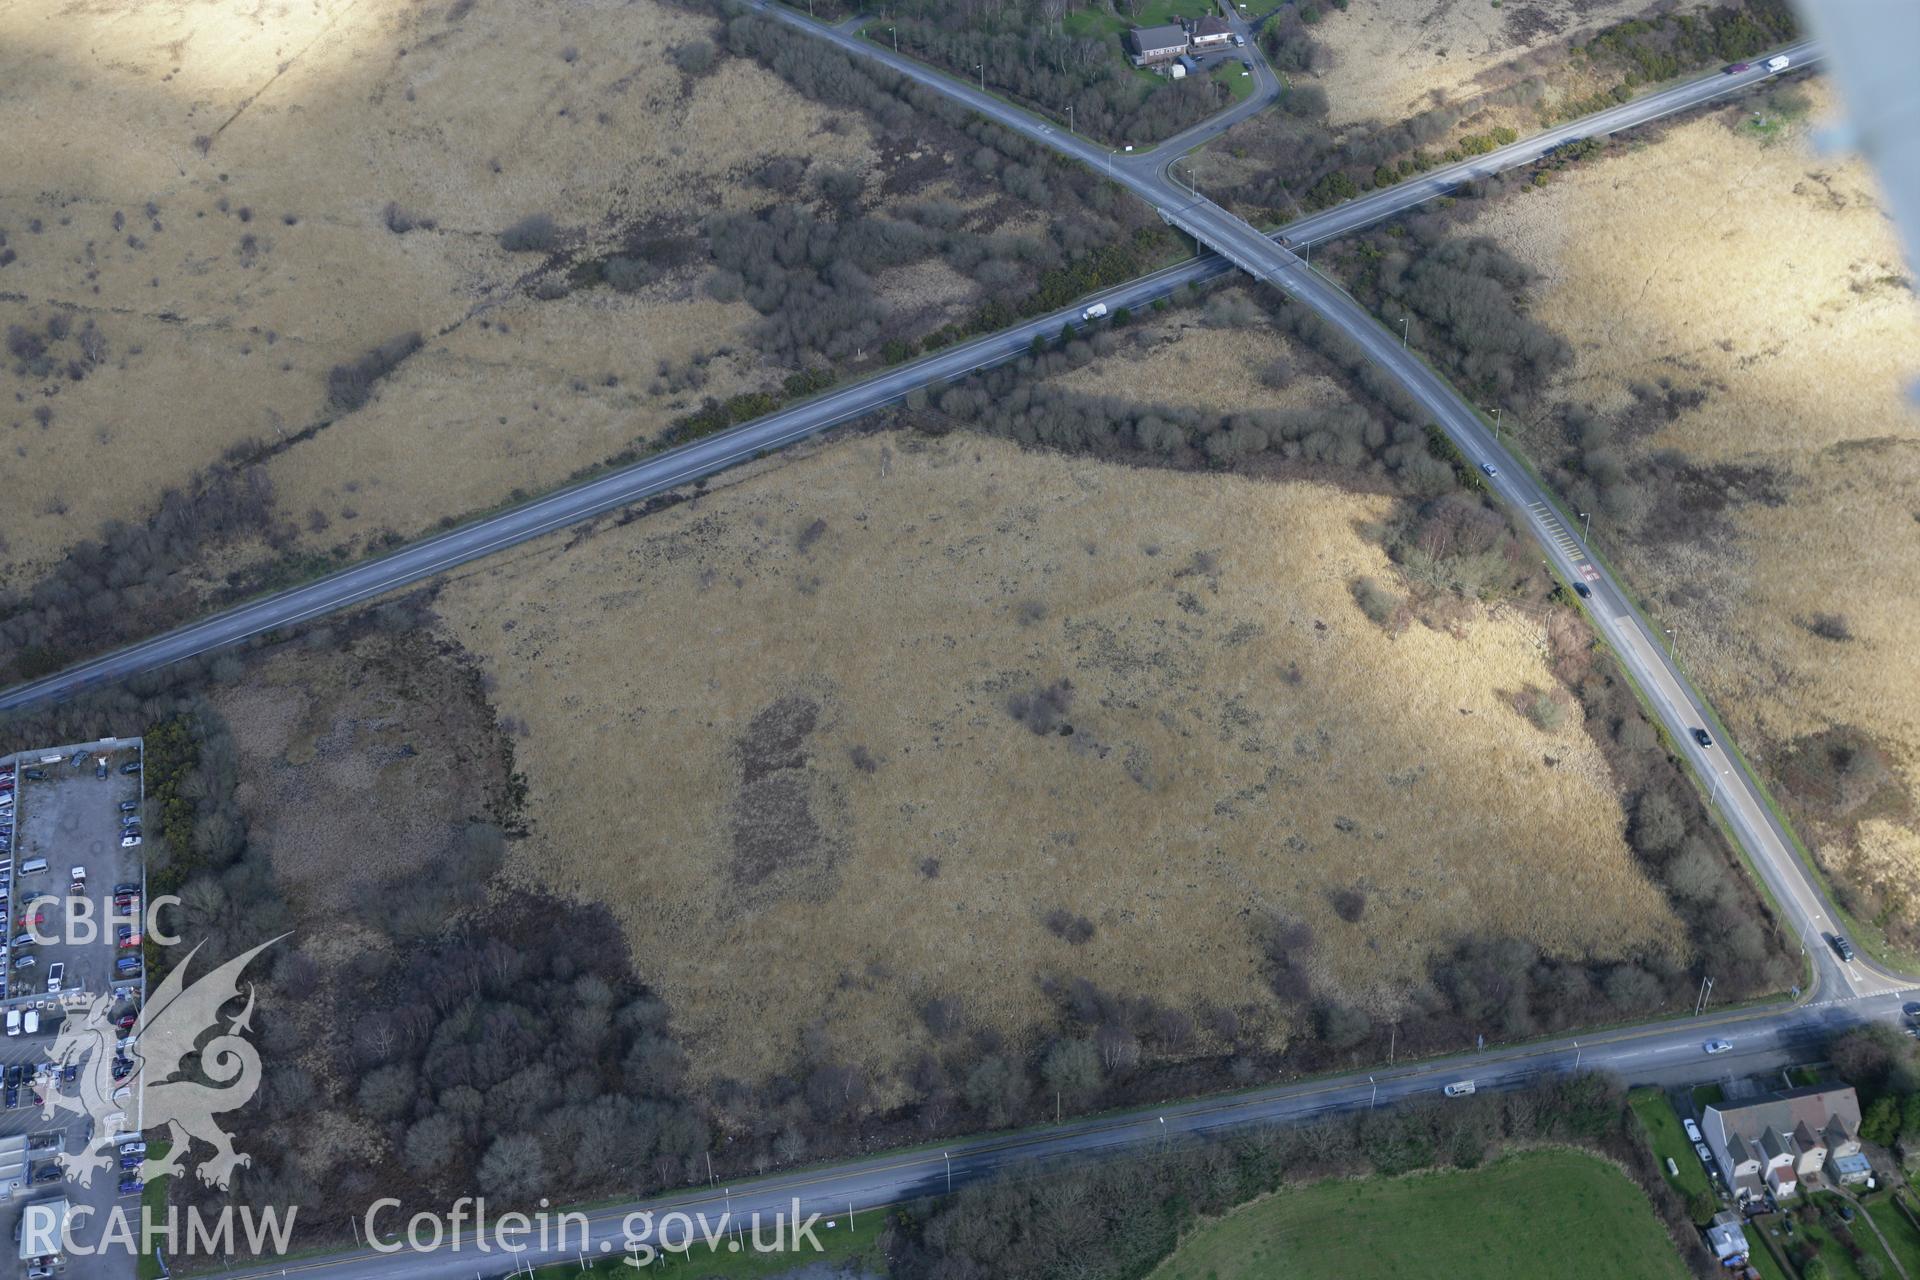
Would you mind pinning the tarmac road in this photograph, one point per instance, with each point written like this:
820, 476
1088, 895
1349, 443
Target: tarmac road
669, 470
1663, 1053
1674, 701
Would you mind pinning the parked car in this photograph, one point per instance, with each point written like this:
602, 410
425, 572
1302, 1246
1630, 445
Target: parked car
100, 770
126, 888
127, 966
131, 766
133, 1147
37, 775
13, 1022
32, 1021
24, 940
16, 1073
24, 962
1702, 737
1693, 1130
56, 972
129, 806
131, 1186
13, 1096
130, 841
1706, 1156
77, 759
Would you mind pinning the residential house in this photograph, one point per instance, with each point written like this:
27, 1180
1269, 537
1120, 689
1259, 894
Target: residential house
1768, 1147
1211, 32
1153, 45
1727, 1240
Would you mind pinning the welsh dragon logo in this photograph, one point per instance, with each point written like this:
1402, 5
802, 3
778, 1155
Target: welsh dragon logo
159, 1092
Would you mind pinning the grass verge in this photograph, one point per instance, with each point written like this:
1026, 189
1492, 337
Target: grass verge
1669, 1141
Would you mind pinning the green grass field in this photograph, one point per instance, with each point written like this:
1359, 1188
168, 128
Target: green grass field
839, 1246
1098, 21
1539, 1213
1669, 1141
1899, 1232
1232, 75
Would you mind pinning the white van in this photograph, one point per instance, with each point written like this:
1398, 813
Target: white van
32, 865
13, 1022
1459, 1089
1094, 312
1778, 62
33, 1022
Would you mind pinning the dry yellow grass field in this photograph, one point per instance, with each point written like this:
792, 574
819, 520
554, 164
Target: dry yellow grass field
1392, 58
207, 183
1177, 359
775, 728
1777, 286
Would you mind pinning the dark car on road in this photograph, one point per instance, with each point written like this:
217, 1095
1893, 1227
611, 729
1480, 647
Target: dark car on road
1842, 948
1582, 590
1702, 737
1735, 68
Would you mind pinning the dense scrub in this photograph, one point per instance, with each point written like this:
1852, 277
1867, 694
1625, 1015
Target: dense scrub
1031, 54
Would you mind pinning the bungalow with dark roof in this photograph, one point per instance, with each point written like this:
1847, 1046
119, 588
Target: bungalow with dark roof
1211, 32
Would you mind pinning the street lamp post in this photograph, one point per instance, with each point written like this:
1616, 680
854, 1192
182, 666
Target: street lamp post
1495, 410
1375, 1094
981, 67
1673, 644
949, 1159
1586, 526
1706, 989
1403, 332
1576, 1055
895, 33
1715, 795
1069, 117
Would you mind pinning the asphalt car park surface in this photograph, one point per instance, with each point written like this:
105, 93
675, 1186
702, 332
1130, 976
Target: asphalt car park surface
69, 815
